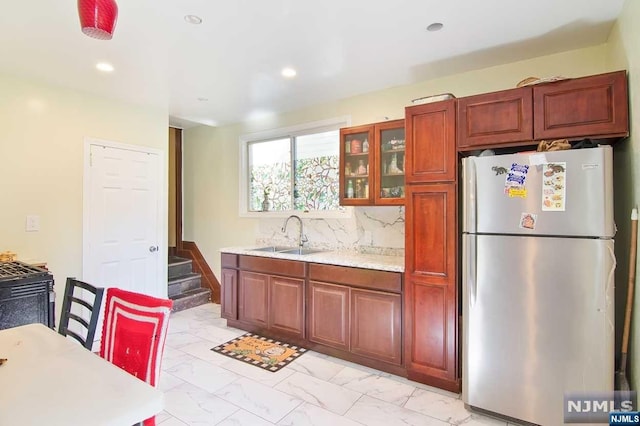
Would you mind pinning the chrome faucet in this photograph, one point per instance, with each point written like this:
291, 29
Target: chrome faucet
301, 238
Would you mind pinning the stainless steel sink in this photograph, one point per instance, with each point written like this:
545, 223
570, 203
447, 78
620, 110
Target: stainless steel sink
301, 250
274, 248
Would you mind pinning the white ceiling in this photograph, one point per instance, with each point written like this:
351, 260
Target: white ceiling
340, 48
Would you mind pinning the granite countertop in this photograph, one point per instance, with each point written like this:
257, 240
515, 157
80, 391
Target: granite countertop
340, 258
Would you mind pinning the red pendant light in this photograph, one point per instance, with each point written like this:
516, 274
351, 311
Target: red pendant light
98, 18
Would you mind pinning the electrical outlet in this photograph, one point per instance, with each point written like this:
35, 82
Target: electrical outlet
32, 223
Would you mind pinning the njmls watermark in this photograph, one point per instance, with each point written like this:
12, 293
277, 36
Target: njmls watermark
624, 418
594, 407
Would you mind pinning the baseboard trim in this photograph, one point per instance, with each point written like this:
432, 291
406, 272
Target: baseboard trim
190, 250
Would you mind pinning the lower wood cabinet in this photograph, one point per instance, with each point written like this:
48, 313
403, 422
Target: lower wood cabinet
253, 301
376, 325
229, 286
272, 302
286, 305
366, 322
329, 314
229, 294
353, 313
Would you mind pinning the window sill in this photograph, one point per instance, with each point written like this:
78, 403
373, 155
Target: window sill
343, 213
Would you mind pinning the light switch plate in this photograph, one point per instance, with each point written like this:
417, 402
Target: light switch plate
32, 223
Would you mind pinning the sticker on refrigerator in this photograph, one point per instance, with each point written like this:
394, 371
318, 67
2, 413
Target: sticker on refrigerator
518, 192
554, 183
537, 159
528, 220
516, 180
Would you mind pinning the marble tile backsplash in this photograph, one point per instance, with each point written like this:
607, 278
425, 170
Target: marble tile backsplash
374, 230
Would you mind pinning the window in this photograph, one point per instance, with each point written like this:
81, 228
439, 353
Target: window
292, 169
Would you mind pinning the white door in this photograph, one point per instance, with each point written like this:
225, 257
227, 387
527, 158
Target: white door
123, 239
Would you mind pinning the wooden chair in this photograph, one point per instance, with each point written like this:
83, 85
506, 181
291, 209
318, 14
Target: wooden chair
133, 334
73, 308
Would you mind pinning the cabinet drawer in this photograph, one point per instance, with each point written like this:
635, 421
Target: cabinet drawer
495, 118
357, 277
229, 260
268, 265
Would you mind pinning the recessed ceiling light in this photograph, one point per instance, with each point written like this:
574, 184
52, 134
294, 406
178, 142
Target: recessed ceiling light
193, 19
288, 72
436, 26
202, 99
104, 67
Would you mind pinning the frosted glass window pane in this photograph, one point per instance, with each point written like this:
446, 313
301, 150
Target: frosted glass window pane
270, 175
316, 171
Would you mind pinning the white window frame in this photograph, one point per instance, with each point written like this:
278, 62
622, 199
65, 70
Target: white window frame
285, 132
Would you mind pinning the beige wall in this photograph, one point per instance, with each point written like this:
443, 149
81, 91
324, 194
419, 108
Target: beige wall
41, 165
623, 52
172, 186
211, 154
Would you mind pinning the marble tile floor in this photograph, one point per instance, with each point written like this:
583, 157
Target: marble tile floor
202, 387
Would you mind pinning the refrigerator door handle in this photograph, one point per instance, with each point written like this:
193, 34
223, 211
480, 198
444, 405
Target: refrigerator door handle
469, 193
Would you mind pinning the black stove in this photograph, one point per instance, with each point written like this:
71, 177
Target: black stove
26, 295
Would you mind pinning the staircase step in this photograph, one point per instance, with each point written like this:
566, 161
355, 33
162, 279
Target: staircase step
184, 283
190, 299
179, 266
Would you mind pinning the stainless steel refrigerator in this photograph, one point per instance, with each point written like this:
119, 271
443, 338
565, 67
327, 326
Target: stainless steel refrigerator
538, 281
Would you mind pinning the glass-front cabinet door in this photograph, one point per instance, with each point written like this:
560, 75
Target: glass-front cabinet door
356, 166
390, 154
372, 164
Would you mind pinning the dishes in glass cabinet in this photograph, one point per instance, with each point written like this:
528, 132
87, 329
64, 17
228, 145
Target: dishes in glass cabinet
393, 192
393, 144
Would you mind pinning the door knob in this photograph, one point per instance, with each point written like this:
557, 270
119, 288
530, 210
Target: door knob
153, 248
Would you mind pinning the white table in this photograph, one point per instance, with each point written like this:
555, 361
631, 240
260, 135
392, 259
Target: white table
51, 380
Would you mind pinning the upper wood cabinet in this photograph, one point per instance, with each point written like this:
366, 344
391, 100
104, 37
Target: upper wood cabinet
594, 106
372, 161
588, 107
495, 118
431, 145
356, 162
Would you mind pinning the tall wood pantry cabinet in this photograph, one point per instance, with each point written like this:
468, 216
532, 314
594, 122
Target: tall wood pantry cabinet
431, 299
